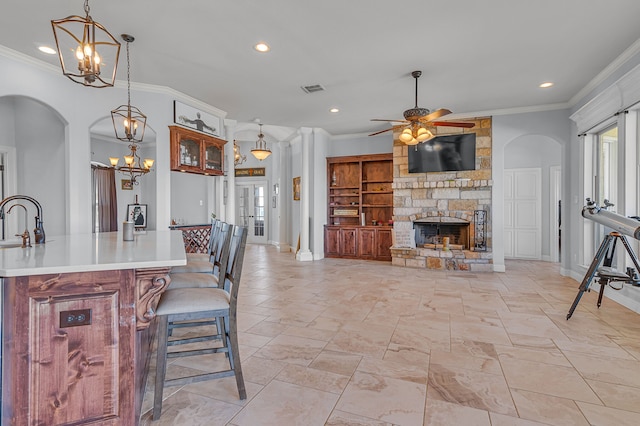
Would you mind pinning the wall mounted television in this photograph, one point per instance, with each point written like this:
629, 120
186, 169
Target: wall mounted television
444, 154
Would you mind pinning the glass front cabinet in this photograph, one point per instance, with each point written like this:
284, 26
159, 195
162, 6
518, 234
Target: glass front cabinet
195, 152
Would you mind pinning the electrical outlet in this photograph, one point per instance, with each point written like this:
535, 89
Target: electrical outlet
75, 318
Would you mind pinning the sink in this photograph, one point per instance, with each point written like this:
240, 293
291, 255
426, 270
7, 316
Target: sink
10, 243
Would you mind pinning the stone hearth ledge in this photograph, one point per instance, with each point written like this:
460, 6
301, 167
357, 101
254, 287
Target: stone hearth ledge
451, 260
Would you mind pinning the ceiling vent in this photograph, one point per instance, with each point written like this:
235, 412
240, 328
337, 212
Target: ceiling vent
312, 88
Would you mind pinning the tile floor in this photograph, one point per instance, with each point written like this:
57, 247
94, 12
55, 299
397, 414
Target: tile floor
349, 342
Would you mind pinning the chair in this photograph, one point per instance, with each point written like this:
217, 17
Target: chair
220, 253
202, 262
203, 303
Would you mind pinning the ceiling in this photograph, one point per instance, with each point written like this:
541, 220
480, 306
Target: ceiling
476, 56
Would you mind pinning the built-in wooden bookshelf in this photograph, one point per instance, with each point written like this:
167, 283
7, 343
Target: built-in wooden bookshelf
360, 206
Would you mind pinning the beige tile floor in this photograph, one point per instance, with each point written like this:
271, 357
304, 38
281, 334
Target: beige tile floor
349, 342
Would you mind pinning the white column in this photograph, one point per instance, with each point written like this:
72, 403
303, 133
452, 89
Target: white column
228, 189
284, 208
304, 254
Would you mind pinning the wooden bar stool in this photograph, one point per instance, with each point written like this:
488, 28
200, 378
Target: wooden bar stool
220, 254
202, 262
203, 303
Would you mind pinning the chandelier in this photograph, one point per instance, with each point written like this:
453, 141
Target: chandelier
132, 164
88, 52
414, 134
128, 121
238, 158
261, 151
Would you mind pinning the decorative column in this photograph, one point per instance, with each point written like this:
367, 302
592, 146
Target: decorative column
228, 189
283, 197
304, 254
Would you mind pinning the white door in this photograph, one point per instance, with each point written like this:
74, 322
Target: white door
522, 212
251, 206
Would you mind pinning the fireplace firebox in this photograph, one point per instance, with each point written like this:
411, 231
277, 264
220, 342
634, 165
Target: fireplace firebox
430, 233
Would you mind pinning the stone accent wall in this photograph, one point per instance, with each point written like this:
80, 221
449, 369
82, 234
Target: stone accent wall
447, 194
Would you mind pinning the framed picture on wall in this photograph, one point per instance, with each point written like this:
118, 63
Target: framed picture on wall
296, 188
193, 118
137, 213
126, 184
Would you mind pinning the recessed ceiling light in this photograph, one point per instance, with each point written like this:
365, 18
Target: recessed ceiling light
334, 110
262, 47
546, 84
48, 50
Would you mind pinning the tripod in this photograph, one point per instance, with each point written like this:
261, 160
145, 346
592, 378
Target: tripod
606, 274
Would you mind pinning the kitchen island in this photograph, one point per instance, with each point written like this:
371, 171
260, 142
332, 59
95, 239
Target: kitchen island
76, 328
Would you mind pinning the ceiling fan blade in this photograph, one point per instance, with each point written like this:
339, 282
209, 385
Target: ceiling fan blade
381, 131
452, 124
397, 126
436, 114
382, 119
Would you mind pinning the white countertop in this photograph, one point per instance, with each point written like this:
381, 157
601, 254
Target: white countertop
94, 252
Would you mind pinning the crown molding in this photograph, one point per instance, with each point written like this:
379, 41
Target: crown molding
622, 94
141, 87
625, 56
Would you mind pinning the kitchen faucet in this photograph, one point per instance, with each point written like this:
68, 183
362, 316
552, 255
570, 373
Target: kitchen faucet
26, 238
38, 231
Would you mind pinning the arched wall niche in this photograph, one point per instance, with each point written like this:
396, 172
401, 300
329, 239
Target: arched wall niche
545, 153
33, 147
104, 145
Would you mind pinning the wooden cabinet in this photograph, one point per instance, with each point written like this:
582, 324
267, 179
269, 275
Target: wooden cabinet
195, 152
358, 242
360, 196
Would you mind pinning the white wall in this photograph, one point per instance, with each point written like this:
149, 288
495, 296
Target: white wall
552, 125
38, 136
535, 151
80, 107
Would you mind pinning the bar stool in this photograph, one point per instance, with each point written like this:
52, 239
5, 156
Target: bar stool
202, 262
220, 254
202, 303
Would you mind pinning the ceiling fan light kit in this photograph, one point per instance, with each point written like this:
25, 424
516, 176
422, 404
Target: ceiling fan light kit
417, 119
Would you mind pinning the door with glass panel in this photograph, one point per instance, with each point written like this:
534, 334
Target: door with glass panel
251, 205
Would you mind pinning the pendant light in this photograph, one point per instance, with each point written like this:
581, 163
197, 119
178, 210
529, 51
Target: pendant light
128, 121
129, 124
261, 151
238, 158
133, 167
88, 52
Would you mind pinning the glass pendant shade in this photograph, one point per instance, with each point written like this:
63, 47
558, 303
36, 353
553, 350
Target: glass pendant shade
423, 135
261, 151
88, 53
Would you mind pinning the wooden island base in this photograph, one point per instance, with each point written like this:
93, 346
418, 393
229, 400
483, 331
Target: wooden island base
77, 346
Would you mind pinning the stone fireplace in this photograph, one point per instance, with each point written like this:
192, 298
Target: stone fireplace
431, 206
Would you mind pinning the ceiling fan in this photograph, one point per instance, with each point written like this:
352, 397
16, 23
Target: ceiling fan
416, 120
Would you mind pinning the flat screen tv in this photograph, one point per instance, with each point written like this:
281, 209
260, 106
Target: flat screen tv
444, 154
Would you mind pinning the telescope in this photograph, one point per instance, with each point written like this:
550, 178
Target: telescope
625, 225
606, 274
